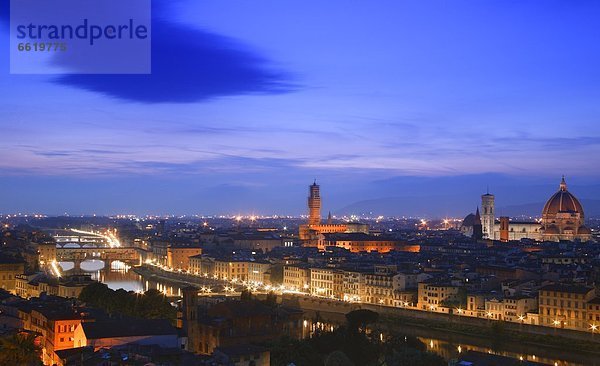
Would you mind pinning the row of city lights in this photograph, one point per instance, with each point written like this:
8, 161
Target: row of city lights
256, 286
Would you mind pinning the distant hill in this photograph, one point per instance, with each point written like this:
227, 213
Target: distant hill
440, 206
409, 206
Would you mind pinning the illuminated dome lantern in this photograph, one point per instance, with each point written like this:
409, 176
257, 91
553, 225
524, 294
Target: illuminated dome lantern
563, 218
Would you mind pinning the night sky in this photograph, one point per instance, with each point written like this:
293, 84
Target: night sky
249, 101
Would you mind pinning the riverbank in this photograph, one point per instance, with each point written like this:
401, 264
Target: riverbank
485, 333
489, 336
180, 279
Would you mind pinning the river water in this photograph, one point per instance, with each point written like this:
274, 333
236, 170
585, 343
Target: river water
447, 345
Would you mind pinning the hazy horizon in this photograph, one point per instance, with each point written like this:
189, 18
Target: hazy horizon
247, 103
420, 196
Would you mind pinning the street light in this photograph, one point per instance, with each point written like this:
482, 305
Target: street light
593, 328
556, 323
521, 319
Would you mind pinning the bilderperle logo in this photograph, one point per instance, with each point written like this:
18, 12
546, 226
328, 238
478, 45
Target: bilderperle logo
84, 31
80, 37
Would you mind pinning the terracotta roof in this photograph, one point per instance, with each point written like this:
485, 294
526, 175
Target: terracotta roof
128, 328
562, 201
577, 289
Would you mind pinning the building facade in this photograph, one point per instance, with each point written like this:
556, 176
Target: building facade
565, 306
488, 215
9, 270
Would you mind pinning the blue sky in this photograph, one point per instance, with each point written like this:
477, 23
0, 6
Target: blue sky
250, 101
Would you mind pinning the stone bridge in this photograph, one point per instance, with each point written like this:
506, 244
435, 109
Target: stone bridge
127, 255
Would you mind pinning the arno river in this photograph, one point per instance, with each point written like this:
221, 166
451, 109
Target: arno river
444, 344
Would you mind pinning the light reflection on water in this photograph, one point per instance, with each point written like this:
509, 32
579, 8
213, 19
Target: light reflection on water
118, 275
449, 350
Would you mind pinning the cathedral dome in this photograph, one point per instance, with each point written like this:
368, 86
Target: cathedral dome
584, 230
562, 201
469, 220
551, 230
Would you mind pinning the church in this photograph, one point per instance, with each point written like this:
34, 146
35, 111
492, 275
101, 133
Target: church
562, 219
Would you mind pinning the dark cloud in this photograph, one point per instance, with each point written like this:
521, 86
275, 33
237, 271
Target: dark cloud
188, 65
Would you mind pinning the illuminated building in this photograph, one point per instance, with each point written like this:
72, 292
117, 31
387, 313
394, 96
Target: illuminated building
488, 217
309, 233
296, 277
378, 288
178, 256
9, 270
562, 217
28, 286
564, 306
47, 252
433, 294
326, 282
359, 242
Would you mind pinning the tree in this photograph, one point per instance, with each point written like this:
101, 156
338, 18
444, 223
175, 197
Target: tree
271, 299
411, 357
245, 295
338, 358
20, 349
95, 293
286, 351
150, 305
359, 319
154, 305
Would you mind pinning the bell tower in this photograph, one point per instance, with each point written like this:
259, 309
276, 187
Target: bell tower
488, 216
314, 205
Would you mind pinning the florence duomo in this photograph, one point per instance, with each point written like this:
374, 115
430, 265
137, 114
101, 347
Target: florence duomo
562, 219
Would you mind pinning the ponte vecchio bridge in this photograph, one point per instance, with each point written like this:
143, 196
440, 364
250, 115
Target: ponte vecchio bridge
106, 254
87, 246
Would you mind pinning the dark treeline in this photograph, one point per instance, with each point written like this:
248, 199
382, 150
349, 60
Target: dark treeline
353, 345
150, 305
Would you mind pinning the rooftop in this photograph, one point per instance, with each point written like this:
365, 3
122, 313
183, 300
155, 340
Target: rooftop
131, 327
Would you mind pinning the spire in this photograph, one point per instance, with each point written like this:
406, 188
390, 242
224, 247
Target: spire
315, 182
329, 220
477, 216
563, 184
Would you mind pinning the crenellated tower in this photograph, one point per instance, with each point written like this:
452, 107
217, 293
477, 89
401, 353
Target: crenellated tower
314, 205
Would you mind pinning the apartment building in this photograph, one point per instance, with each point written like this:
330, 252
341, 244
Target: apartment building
565, 306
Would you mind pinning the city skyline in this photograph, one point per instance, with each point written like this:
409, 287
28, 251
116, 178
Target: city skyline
511, 203
406, 103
